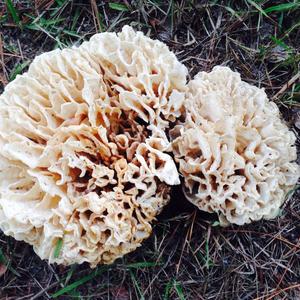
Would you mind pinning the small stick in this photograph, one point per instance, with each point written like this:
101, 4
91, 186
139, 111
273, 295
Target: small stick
3, 76
287, 85
95, 15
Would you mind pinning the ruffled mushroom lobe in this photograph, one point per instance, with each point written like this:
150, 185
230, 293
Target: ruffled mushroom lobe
83, 149
235, 153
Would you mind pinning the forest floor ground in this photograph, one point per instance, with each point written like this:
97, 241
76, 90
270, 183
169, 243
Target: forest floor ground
188, 256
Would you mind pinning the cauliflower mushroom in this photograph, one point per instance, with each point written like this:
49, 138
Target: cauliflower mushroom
234, 151
83, 149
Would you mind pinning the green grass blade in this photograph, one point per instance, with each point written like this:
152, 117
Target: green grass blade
139, 265
141, 296
13, 11
75, 294
46, 22
292, 29
168, 289
118, 6
18, 69
208, 261
75, 19
179, 290
78, 283
71, 33
3, 19
2, 257
215, 224
31, 26
258, 7
280, 43
70, 274
282, 7
60, 2
58, 248
6, 262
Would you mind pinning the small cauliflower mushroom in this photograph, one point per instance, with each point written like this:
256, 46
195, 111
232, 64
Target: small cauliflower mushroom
234, 152
83, 149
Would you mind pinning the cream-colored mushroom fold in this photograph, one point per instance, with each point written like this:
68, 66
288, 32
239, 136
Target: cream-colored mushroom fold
83, 149
235, 153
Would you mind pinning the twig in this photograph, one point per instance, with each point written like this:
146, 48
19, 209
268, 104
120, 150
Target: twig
283, 275
40, 293
279, 292
20, 48
188, 237
95, 15
287, 85
3, 76
265, 234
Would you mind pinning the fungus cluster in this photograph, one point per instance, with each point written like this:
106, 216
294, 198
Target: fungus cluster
83, 149
234, 152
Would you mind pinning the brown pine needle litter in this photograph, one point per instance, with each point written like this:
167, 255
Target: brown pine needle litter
188, 255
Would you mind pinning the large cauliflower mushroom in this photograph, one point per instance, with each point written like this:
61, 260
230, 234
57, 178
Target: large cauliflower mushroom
83, 147
234, 151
